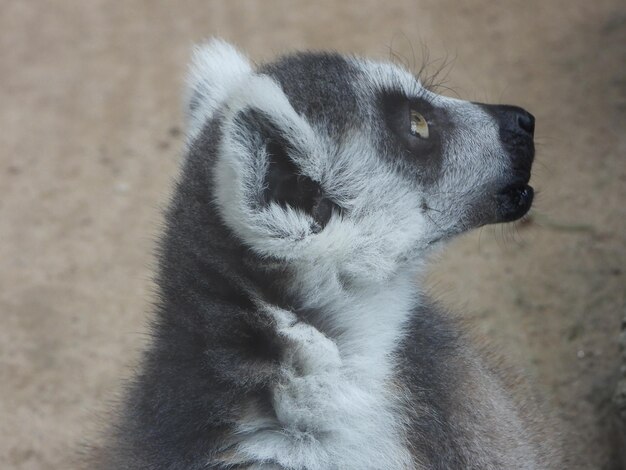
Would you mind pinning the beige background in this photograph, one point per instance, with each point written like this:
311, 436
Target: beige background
90, 138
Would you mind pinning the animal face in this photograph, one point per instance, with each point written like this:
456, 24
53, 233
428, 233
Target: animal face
350, 165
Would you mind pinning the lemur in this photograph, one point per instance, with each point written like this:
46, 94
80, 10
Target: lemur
291, 328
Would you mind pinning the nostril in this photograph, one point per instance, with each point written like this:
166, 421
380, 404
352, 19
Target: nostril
513, 121
526, 122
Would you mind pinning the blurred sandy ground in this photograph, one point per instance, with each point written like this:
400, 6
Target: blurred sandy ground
90, 137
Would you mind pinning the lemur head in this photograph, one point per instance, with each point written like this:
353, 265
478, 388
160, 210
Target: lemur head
350, 166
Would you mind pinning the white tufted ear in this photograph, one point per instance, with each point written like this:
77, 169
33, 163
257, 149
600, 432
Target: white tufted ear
216, 68
268, 157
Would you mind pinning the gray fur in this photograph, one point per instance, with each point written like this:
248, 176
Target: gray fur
291, 331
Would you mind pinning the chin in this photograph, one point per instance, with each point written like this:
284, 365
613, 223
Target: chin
514, 202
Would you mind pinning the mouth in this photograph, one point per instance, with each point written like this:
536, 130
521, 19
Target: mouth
514, 201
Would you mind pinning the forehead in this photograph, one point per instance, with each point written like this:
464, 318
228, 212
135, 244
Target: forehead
335, 90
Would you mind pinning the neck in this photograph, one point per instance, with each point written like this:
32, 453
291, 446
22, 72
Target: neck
366, 321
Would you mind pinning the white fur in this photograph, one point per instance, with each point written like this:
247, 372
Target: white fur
215, 69
336, 405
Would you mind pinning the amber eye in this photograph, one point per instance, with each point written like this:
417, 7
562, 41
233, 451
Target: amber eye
419, 126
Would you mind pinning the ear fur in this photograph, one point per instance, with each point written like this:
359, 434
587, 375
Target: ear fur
269, 170
216, 69
284, 183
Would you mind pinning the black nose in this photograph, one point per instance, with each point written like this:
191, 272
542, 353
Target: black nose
512, 120
517, 128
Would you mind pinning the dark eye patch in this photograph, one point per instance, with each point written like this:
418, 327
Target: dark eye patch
397, 113
421, 157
